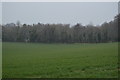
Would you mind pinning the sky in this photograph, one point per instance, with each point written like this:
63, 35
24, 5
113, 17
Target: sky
0, 12
59, 12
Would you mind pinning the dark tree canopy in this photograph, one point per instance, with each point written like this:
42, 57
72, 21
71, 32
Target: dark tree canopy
62, 33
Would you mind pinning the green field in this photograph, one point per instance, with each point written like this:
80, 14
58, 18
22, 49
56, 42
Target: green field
36, 60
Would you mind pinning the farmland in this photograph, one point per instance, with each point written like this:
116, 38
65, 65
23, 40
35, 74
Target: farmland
78, 60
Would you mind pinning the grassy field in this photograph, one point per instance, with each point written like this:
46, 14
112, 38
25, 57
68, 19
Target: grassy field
36, 60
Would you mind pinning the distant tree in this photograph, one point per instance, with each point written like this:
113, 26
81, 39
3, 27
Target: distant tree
62, 33
18, 23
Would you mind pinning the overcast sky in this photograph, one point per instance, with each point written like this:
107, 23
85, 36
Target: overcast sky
59, 12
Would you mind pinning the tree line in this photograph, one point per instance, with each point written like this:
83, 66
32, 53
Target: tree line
61, 33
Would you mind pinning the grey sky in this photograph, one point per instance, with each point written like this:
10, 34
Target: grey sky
59, 12
0, 12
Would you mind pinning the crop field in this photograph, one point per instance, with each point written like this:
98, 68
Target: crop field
79, 60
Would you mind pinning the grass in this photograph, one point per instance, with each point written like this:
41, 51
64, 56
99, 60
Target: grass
36, 60
0, 60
